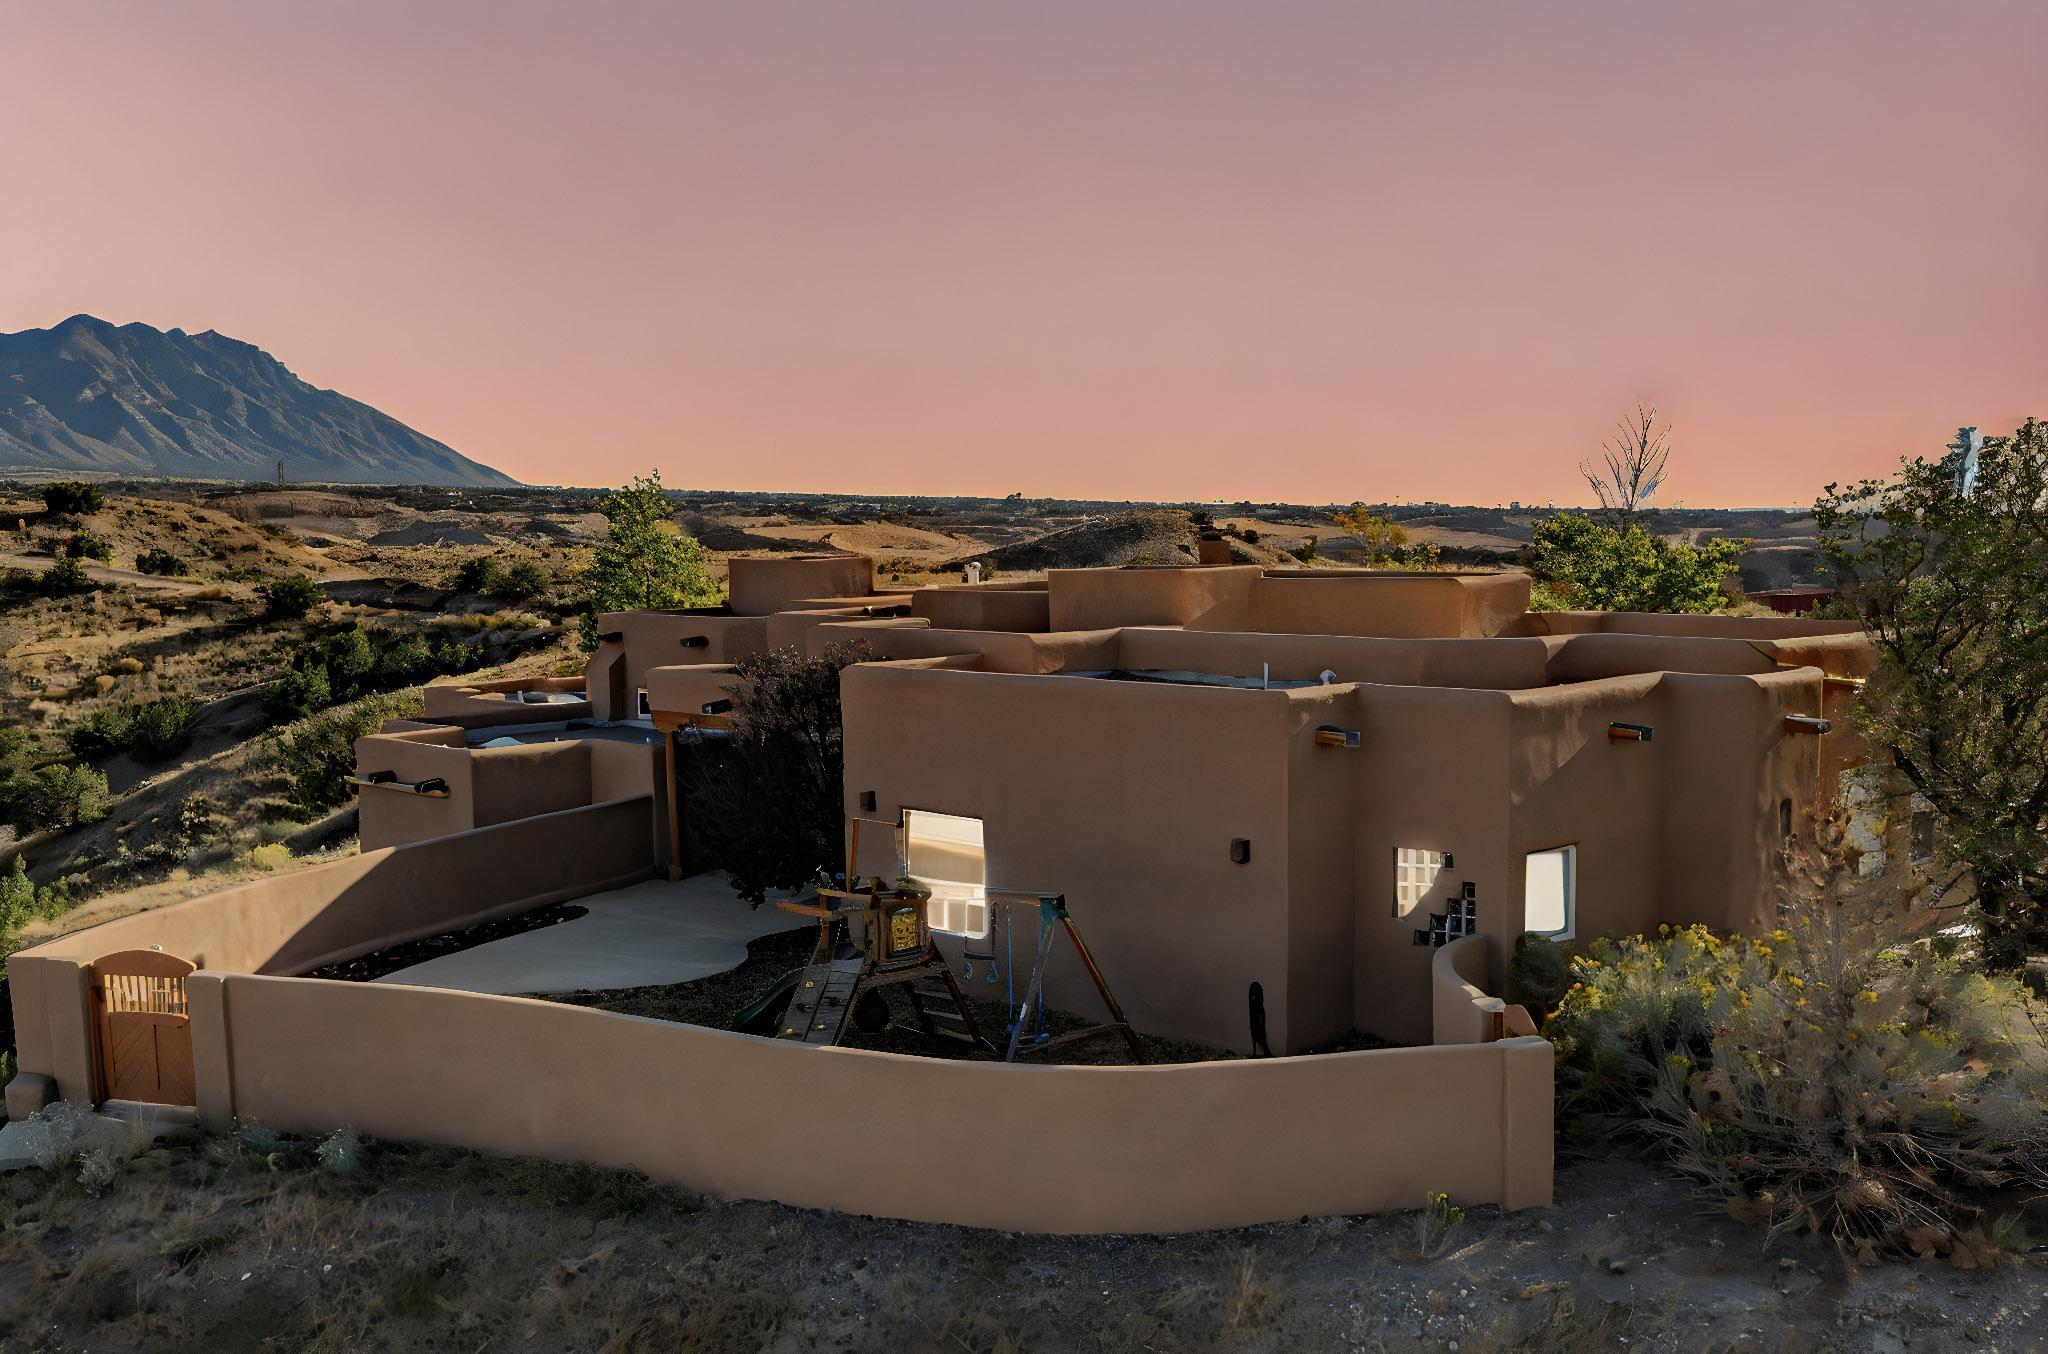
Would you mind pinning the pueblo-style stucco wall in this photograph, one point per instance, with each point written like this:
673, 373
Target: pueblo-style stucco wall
492, 785
1123, 796
1048, 1148
293, 922
762, 585
1395, 605
1103, 599
1023, 606
617, 670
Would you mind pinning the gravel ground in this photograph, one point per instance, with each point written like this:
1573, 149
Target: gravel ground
222, 1246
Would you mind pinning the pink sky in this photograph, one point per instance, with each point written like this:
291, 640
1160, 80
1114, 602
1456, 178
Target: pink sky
1164, 249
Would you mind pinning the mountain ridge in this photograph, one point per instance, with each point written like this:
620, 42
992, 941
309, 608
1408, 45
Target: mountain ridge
88, 396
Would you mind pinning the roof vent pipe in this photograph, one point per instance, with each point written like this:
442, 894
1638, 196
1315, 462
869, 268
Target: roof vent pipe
1265, 676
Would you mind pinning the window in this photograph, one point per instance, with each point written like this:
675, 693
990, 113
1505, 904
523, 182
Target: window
1550, 883
943, 852
1415, 872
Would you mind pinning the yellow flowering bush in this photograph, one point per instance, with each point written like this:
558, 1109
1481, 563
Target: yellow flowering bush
1814, 1080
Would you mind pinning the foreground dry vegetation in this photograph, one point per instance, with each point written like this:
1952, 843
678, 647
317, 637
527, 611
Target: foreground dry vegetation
267, 1242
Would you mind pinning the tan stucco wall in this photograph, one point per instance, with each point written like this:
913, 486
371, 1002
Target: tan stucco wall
1461, 1012
1389, 605
761, 585
289, 923
1102, 599
1053, 1149
1125, 797
985, 606
617, 670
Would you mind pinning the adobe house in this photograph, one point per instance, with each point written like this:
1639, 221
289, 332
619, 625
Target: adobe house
1304, 779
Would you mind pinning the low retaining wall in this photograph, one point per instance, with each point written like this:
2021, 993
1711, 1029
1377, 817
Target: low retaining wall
1021, 1148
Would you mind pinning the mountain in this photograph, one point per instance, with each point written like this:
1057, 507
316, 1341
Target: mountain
131, 400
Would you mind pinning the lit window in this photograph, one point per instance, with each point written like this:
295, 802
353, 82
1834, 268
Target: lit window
1550, 881
1415, 872
943, 852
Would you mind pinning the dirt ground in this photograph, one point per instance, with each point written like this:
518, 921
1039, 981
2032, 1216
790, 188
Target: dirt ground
232, 1244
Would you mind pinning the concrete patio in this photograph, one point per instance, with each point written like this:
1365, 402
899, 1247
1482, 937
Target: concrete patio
646, 935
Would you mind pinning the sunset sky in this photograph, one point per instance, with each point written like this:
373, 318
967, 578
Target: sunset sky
1158, 249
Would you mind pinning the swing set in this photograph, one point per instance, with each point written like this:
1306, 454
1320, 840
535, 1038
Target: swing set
844, 982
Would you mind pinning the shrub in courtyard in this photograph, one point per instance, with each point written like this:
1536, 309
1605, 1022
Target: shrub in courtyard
289, 598
772, 805
163, 563
1540, 973
70, 498
1817, 1078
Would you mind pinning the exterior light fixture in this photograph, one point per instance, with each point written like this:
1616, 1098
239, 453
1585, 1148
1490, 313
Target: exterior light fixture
867, 801
717, 707
696, 641
1330, 736
1240, 850
1807, 724
1630, 733
612, 637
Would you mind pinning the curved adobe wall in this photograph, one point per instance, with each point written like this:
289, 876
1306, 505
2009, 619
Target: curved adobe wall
1040, 1149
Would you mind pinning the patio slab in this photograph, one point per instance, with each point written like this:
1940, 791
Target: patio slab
645, 935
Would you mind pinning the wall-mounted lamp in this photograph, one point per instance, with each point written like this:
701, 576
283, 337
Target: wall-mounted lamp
1630, 733
1240, 850
1330, 736
612, 637
1807, 724
717, 707
696, 641
867, 801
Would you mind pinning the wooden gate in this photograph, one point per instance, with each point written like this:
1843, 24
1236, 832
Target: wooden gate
145, 1032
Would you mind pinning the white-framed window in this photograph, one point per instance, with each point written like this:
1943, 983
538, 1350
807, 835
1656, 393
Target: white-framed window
1415, 872
1550, 881
943, 852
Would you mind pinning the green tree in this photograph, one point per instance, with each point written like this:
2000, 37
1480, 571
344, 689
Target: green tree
58, 795
1946, 563
1585, 565
162, 562
768, 804
71, 498
646, 564
289, 598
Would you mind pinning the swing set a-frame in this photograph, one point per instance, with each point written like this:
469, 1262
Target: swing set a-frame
873, 935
